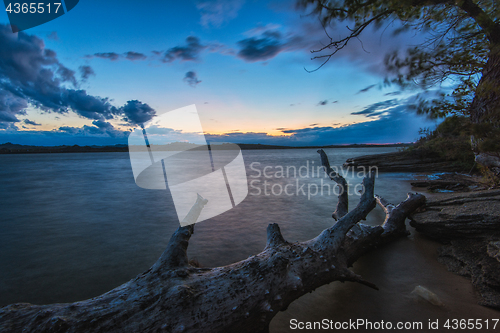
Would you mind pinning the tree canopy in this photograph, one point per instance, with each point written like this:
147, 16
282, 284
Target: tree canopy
459, 38
462, 44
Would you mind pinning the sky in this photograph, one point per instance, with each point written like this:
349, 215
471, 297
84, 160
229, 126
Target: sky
92, 75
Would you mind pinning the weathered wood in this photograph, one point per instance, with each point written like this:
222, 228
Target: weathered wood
343, 200
174, 296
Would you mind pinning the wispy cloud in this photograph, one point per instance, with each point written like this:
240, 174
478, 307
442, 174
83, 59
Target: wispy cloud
86, 72
378, 108
29, 122
188, 52
215, 13
53, 36
113, 56
134, 56
191, 50
106, 55
367, 88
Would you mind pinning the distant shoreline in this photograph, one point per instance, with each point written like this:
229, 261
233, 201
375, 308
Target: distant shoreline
10, 148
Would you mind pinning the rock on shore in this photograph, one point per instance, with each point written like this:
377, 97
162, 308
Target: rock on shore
469, 226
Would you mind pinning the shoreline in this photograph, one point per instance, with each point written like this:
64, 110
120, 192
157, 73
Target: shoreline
9, 148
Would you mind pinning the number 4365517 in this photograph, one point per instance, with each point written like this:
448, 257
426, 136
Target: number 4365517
32, 8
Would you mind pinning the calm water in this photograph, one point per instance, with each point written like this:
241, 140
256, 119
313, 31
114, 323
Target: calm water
75, 225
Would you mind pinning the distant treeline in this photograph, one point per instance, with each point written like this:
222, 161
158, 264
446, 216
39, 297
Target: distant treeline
10, 148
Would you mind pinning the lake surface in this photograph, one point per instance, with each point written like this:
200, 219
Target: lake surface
73, 226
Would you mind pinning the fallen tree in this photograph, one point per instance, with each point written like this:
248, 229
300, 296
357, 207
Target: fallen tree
175, 296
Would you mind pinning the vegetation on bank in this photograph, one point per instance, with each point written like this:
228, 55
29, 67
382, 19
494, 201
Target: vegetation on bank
450, 141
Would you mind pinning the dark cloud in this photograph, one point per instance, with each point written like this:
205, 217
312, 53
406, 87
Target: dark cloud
191, 79
266, 42
100, 128
67, 75
137, 113
217, 12
8, 117
366, 89
377, 108
265, 47
106, 55
325, 102
113, 56
155, 129
188, 52
31, 74
10, 106
8, 126
67, 136
29, 122
88, 106
134, 56
86, 72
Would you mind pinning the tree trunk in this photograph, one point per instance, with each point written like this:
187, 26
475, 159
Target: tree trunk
485, 113
173, 296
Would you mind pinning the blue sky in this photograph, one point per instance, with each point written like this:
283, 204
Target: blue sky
95, 73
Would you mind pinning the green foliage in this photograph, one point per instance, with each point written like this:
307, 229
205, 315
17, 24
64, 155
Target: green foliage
449, 141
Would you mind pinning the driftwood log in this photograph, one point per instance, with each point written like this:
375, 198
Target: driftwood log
174, 296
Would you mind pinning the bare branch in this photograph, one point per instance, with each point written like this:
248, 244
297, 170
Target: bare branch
274, 237
343, 201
